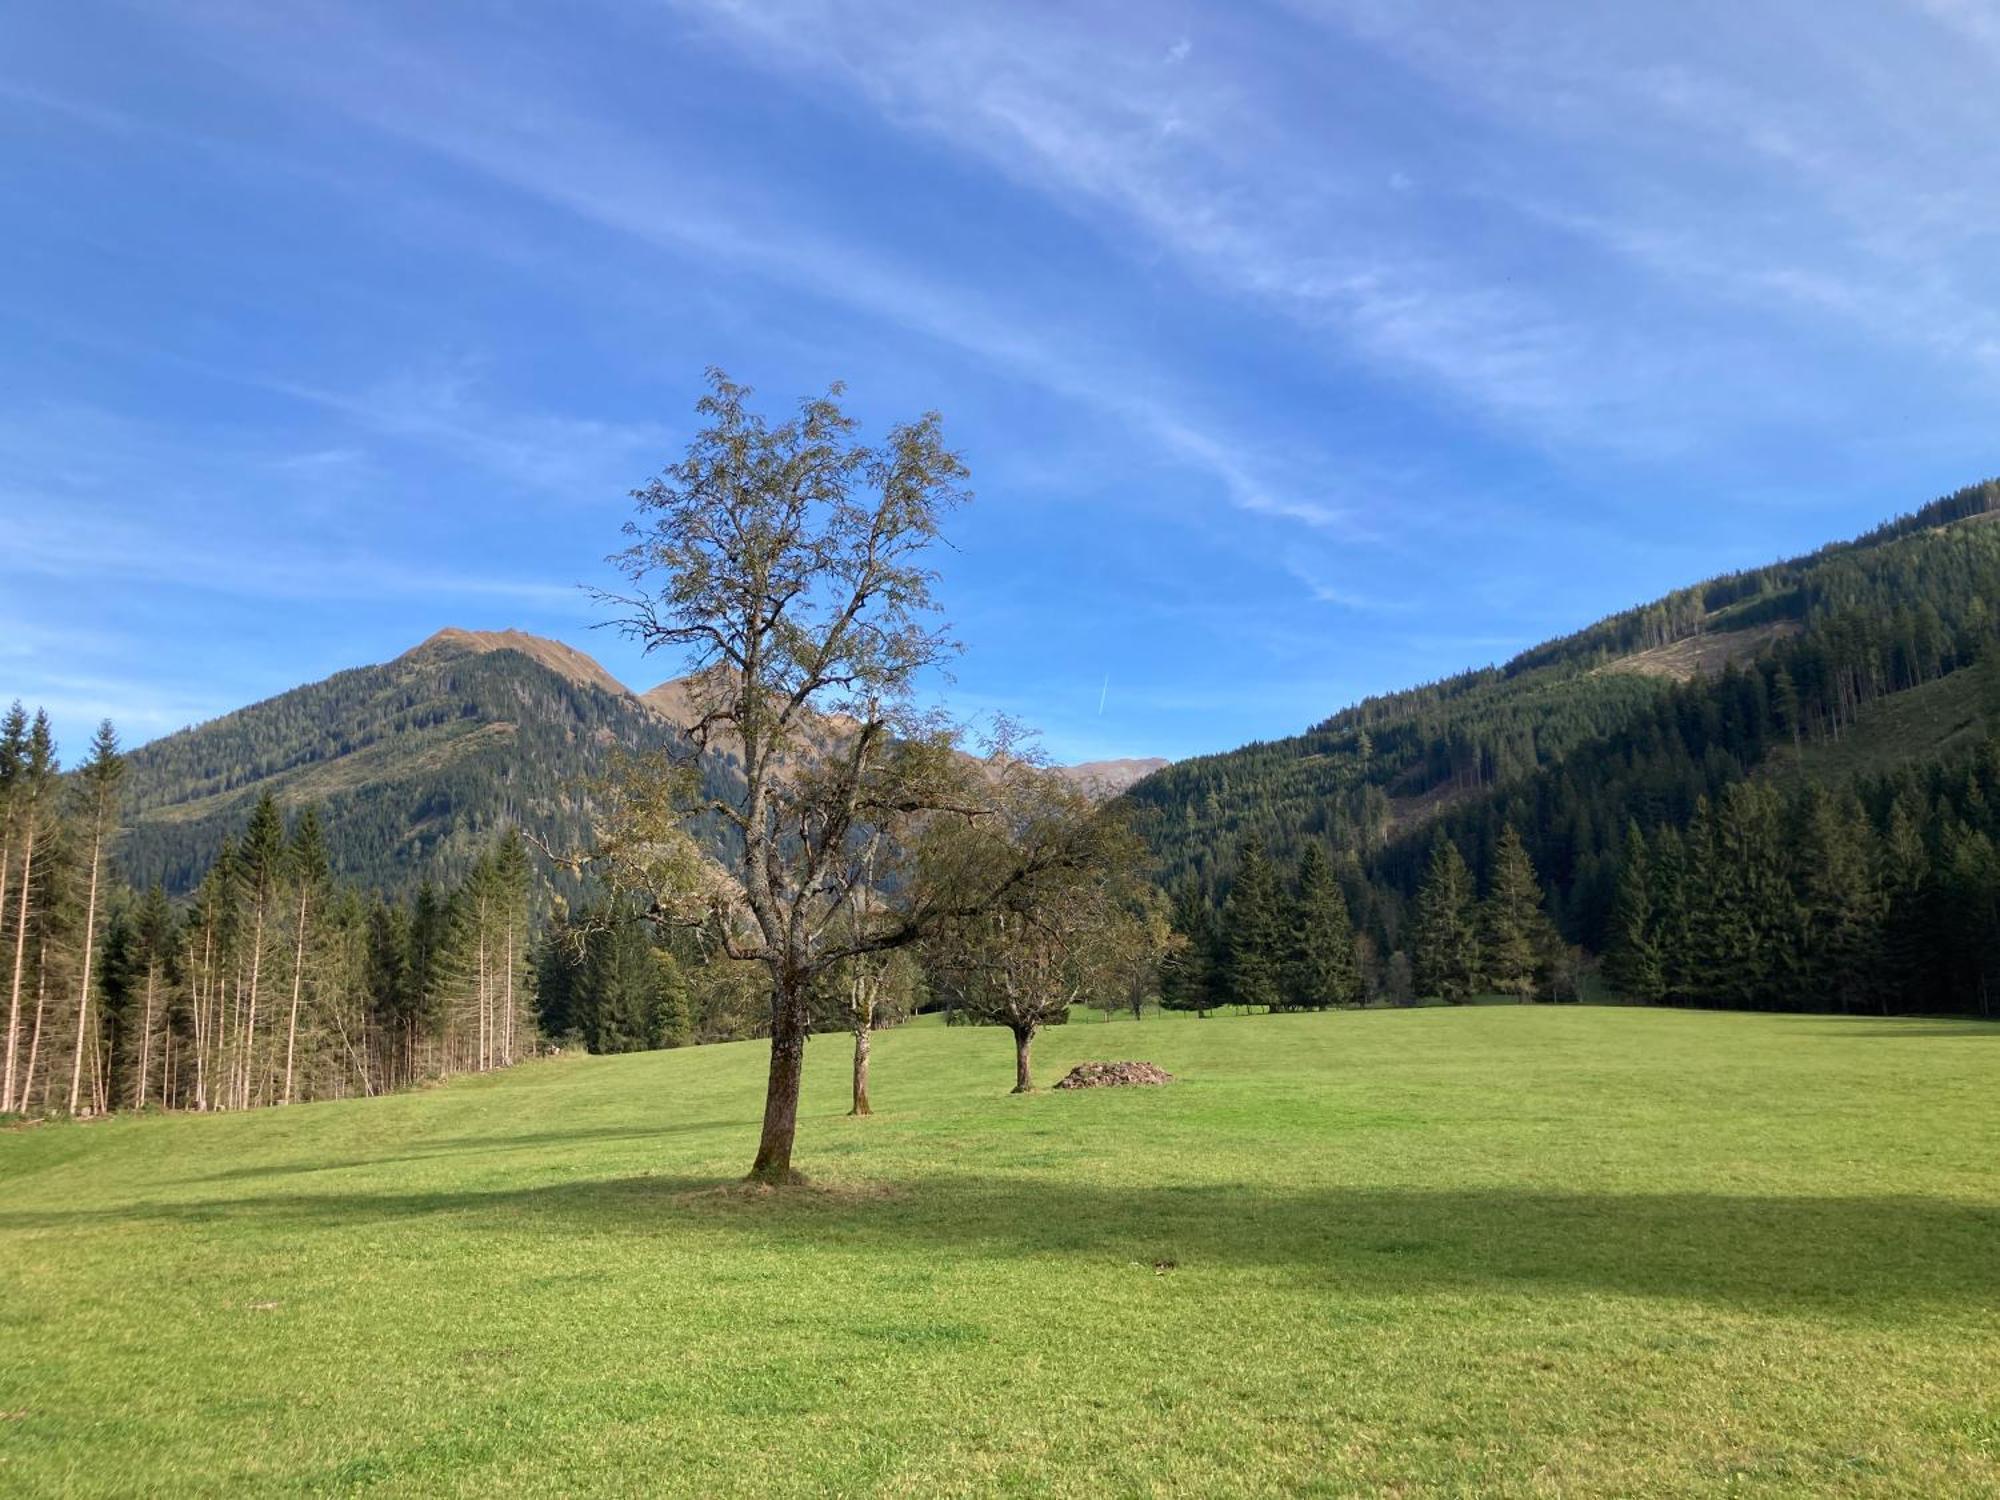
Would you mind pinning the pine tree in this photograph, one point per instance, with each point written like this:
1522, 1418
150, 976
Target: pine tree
1841, 906
1632, 955
1446, 938
1188, 976
1253, 931
1320, 969
155, 927
1512, 919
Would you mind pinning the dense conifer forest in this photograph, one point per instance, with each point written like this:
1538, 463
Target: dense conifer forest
1734, 725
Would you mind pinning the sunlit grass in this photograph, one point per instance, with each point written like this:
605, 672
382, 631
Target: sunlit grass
1501, 1250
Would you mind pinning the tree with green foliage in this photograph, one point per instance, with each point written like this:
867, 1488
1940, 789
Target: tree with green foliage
1632, 955
1320, 966
1189, 974
1511, 920
1253, 933
1840, 904
1446, 961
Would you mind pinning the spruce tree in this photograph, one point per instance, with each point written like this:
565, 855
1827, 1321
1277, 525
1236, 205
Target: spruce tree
1632, 953
1512, 919
1252, 931
1320, 967
1446, 939
1841, 905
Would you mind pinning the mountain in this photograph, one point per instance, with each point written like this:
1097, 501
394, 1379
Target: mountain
1107, 778
1855, 660
417, 762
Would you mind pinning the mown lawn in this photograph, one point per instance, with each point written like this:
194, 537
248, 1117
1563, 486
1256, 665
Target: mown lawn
1492, 1251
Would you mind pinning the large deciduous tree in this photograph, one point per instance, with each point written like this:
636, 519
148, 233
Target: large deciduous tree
787, 564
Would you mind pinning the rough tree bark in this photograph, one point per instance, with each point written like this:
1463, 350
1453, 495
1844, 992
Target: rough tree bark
1024, 1041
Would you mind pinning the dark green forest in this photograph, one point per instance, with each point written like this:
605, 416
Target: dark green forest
1574, 744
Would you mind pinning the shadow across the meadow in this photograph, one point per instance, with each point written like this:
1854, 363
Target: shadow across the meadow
458, 1145
1859, 1257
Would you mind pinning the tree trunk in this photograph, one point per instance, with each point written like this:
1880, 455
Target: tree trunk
8, 1097
1024, 1078
83, 989
250, 1018
862, 1026
789, 1025
146, 1039
298, 982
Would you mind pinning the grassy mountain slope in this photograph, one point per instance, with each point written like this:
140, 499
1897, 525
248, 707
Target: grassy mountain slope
1860, 623
1503, 1251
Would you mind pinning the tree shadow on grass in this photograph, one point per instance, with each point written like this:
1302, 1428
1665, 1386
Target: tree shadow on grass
456, 1145
1857, 1257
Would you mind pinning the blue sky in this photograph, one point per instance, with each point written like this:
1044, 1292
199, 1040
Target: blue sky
1299, 350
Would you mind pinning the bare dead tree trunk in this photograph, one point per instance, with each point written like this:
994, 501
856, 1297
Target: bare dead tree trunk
298, 983
89, 952
8, 1098
250, 1021
146, 1040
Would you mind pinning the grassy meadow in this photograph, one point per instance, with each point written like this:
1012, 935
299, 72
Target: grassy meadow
1489, 1251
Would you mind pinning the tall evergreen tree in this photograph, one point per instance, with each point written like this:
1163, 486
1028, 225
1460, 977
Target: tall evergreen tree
1512, 919
1446, 940
1252, 926
1632, 954
1320, 968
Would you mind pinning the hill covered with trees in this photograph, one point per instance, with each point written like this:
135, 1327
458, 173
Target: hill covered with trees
1846, 684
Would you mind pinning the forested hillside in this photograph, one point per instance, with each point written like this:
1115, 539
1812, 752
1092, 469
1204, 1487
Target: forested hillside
416, 764
1866, 659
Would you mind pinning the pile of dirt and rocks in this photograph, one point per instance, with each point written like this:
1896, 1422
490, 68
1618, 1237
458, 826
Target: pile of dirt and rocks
1112, 1075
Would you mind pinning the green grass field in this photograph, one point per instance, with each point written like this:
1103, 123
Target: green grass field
1491, 1251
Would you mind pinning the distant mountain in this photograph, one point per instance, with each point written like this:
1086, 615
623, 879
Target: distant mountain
1107, 778
418, 762
1856, 659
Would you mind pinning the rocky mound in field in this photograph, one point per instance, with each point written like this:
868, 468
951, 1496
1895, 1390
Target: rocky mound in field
1112, 1075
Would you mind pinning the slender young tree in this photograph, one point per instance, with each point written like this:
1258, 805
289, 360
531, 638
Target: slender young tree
99, 783
155, 943
260, 869
33, 787
307, 860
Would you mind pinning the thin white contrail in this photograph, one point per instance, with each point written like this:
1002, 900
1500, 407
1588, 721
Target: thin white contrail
1102, 691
